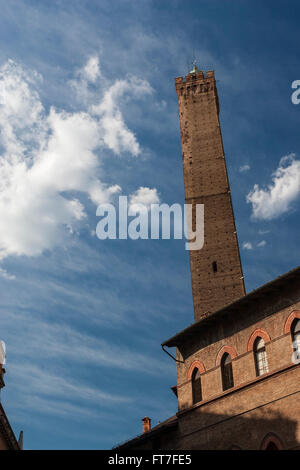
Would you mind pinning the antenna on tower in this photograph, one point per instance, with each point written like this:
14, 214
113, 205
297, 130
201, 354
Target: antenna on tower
195, 68
194, 58
194, 64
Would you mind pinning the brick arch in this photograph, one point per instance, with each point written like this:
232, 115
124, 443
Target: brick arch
271, 438
290, 319
259, 332
225, 349
196, 364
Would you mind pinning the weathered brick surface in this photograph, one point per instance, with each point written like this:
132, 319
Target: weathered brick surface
243, 418
7, 437
279, 354
206, 182
3, 443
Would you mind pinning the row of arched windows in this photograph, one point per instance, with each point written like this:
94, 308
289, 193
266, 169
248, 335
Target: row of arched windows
260, 359
270, 442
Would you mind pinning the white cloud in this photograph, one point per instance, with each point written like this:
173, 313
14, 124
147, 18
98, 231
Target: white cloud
262, 243
43, 382
247, 246
6, 275
87, 75
47, 157
91, 71
244, 168
278, 197
53, 341
116, 135
144, 196
59, 394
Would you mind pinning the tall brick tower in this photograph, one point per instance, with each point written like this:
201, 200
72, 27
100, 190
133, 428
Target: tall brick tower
217, 277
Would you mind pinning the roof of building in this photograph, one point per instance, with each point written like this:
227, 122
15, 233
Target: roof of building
155, 431
234, 307
7, 432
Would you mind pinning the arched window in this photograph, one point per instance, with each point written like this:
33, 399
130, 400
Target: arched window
261, 360
226, 370
271, 442
196, 386
271, 446
295, 331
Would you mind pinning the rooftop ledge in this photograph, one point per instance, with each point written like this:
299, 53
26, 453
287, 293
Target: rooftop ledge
197, 75
264, 290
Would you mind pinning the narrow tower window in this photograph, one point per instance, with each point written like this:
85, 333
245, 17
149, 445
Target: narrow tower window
226, 370
295, 330
261, 360
196, 386
214, 266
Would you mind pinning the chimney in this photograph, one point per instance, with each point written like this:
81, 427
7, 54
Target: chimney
146, 424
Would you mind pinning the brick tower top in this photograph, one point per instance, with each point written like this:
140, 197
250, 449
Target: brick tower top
216, 271
195, 75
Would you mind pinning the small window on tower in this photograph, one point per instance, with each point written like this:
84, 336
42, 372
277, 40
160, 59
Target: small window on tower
214, 266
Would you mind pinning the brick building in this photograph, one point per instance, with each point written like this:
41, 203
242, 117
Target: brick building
8, 440
238, 378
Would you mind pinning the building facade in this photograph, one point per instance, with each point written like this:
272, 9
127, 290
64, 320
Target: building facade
8, 440
238, 372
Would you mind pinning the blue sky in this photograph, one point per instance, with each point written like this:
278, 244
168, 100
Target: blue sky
83, 319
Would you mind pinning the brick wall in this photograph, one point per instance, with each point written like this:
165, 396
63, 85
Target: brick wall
257, 409
278, 349
3, 443
243, 418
